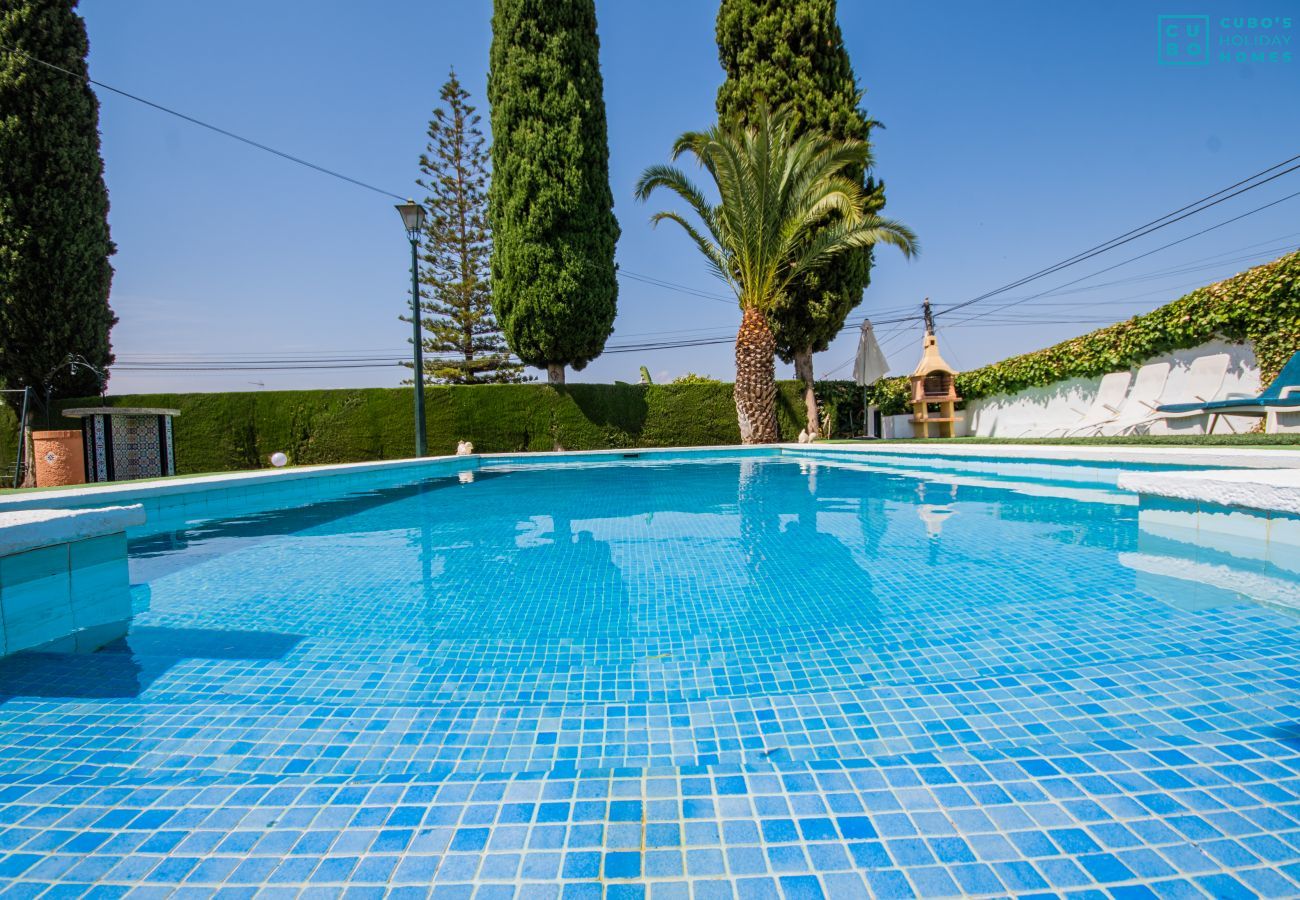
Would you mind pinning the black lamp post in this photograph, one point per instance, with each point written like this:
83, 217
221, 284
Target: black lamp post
70, 362
413, 218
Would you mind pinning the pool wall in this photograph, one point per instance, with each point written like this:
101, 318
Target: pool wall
64, 582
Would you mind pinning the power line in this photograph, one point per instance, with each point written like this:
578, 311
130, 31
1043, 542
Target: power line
208, 125
673, 286
217, 364
1063, 293
228, 361
1164, 221
236, 362
1165, 273
1230, 187
1134, 258
254, 368
278, 354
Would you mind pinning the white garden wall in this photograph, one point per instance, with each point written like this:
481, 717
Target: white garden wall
1060, 404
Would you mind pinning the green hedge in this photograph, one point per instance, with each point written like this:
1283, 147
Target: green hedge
225, 432
1261, 305
8, 444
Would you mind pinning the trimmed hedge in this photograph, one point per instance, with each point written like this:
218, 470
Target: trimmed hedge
1261, 305
8, 444
227, 432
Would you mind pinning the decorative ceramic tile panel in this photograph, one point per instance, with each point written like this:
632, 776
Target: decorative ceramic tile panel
137, 447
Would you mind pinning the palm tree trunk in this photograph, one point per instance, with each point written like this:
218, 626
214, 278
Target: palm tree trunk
756, 380
555, 373
803, 370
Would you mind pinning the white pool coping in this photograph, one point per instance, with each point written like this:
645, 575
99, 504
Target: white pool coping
30, 529
1272, 490
1256, 478
1250, 484
163, 487
1231, 457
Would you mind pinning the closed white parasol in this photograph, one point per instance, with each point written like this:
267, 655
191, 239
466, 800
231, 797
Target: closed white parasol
871, 365
868, 368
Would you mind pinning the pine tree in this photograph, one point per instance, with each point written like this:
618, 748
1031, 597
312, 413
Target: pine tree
553, 226
790, 53
54, 240
464, 343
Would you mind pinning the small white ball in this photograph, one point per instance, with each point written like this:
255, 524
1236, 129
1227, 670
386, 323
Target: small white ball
278, 459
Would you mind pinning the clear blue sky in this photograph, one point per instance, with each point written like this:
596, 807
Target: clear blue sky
1018, 133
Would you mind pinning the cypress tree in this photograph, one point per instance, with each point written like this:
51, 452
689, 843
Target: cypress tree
54, 240
551, 208
790, 53
465, 345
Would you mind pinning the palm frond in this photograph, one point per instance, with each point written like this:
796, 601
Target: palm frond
839, 237
713, 254
788, 202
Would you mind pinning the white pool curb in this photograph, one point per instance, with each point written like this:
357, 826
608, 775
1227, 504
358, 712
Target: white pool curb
1228, 457
28, 529
1254, 478
1272, 490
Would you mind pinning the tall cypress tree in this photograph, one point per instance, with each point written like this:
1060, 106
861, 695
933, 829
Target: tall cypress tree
553, 226
54, 241
464, 342
791, 53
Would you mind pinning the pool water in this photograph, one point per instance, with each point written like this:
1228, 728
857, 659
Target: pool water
750, 677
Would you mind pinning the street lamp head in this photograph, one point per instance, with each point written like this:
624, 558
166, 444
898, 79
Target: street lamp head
412, 217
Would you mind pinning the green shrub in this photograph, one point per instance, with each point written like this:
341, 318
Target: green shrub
1261, 305
226, 432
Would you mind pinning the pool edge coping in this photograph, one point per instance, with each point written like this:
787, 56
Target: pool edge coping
1242, 478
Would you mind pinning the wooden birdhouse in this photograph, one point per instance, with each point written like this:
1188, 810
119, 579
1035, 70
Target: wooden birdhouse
934, 388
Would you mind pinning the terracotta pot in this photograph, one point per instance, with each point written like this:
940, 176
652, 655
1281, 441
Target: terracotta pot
59, 458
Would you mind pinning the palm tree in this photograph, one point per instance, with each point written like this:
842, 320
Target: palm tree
785, 209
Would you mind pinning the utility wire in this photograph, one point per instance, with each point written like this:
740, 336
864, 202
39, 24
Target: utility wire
1165, 273
699, 337
1133, 258
679, 288
1230, 187
208, 125
257, 368
1164, 221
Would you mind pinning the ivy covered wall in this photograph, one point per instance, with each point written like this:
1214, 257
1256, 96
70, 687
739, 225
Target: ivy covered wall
1261, 305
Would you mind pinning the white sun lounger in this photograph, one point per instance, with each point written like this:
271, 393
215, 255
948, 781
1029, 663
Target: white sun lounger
1140, 405
1203, 383
1105, 406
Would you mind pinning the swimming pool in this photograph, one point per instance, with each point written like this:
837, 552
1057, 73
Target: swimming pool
692, 675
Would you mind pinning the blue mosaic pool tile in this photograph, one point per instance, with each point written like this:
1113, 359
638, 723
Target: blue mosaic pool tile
754, 679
